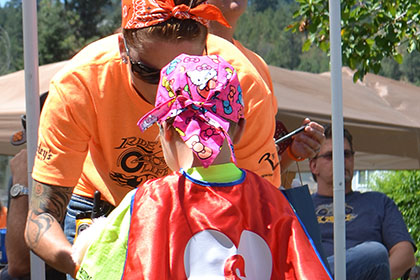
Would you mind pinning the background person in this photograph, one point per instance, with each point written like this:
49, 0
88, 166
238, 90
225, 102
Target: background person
16, 249
377, 241
18, 266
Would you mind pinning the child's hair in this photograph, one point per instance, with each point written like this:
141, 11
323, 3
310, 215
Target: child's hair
200, 96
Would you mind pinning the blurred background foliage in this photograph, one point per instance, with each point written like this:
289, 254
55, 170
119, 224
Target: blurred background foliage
404, 188
65, 26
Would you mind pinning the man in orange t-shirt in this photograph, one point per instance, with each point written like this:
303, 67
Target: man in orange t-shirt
88, 136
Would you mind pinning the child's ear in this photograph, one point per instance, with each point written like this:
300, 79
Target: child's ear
240, 128
166, 131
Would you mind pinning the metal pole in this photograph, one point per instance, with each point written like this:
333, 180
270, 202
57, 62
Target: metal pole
30, 47
338, 141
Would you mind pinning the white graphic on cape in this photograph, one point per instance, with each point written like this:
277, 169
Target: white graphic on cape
210, 254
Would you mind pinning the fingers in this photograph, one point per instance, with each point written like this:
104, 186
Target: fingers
308, 143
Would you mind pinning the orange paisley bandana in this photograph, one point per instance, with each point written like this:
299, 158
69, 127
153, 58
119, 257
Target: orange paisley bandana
145, 13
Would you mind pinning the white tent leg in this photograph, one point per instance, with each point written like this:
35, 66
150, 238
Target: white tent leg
338, 141
30, 46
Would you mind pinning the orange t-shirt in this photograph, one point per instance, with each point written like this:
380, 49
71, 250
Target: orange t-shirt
256, 151
88, 134
261, 66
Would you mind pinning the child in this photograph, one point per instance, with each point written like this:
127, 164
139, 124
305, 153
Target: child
209, 219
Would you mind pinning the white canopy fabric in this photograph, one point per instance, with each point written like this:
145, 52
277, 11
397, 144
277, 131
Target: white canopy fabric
12, 89
382, 114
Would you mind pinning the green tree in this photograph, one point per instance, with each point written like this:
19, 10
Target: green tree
390, 68
93, 15
56, 37
404, 188
314, 60
62, 30
262, 5
111, 18
264, 33
411, 67
371, 30
11, 37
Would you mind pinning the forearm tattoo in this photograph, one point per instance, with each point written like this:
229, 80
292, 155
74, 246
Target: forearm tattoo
48, 205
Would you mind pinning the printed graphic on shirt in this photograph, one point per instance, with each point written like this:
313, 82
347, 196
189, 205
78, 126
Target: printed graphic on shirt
210, 254
139, 161
325, 213
43, 154
268, 158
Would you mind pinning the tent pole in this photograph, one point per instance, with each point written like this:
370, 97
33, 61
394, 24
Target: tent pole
338, 141
30, 47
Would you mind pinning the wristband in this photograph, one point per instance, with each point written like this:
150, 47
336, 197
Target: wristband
292, 156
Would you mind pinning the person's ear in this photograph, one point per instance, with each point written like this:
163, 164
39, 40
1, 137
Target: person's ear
166, 131
312, 165
239, 131
123, 49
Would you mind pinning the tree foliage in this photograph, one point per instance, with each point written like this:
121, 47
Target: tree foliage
64, 27
11, 37
56, 40
262, 5
264, 32
404, 188
371, 30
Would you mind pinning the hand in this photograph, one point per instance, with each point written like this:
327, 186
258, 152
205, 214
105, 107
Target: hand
308, 143
19, 168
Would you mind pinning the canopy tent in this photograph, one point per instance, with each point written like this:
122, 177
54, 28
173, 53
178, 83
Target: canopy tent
381, 113
12, 87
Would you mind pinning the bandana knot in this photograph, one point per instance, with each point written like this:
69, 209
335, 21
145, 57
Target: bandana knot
181, 12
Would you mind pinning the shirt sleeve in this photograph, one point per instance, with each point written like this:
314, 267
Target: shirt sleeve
66, 123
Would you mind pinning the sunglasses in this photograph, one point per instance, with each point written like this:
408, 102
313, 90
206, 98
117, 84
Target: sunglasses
143, 71
328, 156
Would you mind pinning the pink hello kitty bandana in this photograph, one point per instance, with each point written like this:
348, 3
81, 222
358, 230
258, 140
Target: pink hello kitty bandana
200, 93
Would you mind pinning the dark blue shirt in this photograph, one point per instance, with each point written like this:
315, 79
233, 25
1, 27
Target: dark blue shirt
370, 216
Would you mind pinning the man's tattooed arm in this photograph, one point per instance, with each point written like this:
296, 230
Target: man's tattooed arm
47, 207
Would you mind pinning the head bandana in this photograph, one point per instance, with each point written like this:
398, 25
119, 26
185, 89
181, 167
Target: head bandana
199, 93
145, 13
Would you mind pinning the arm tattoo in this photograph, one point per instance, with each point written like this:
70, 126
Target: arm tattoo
40, 224
50, 199
48, 205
